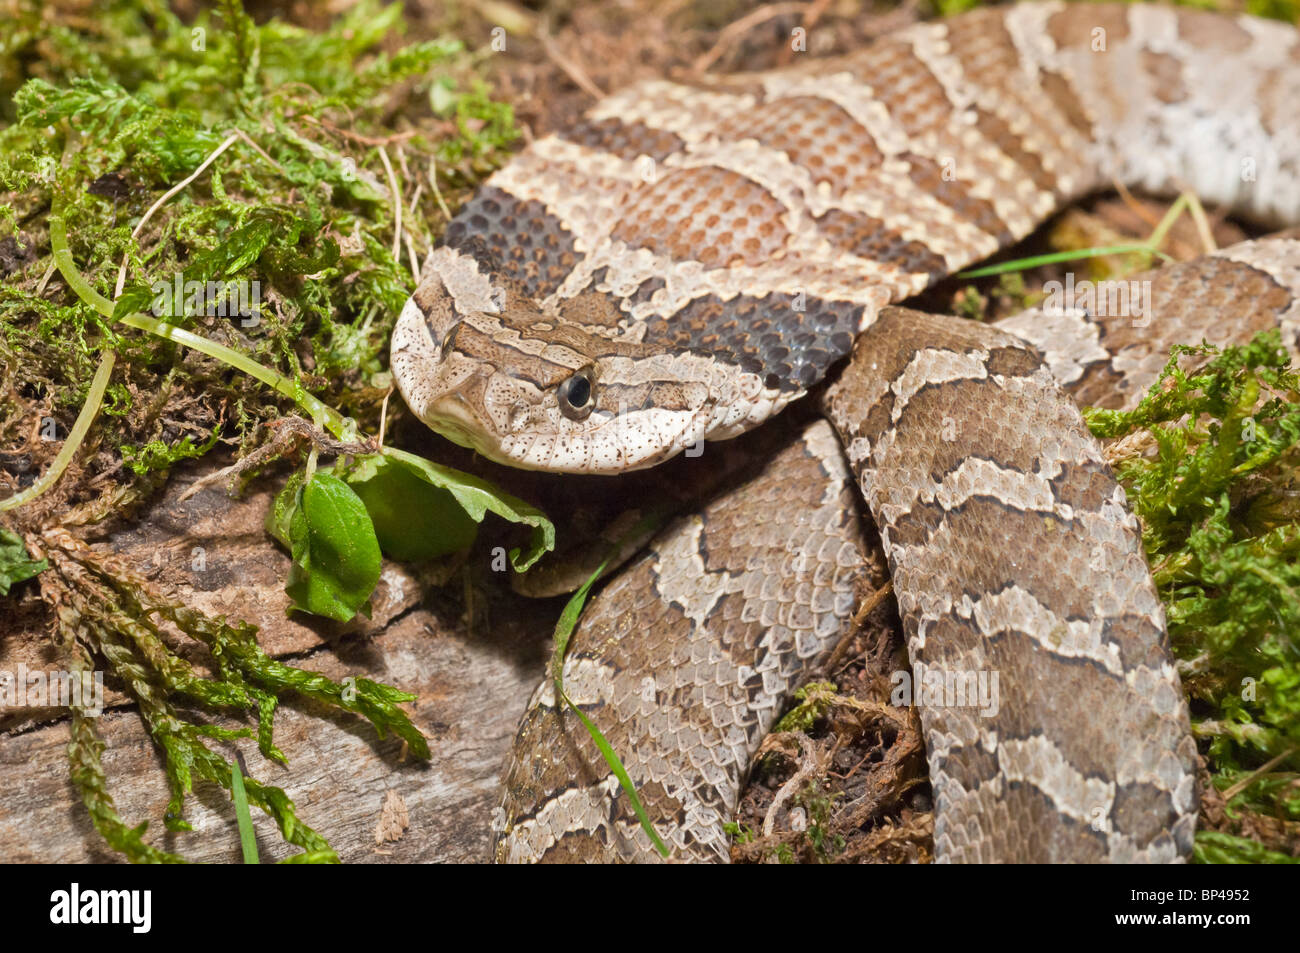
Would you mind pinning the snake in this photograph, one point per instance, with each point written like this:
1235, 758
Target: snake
691, 258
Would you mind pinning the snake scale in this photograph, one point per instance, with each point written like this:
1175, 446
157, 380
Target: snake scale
689, 259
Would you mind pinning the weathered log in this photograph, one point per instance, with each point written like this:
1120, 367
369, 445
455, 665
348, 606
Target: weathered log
213, 553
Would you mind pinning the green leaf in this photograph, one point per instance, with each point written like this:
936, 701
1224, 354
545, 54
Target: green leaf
282, 510
16, 564
414, 520
476, 498
336, 558
247, 839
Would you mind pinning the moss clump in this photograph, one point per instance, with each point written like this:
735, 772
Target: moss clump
1211, 461
287, 247
244, 182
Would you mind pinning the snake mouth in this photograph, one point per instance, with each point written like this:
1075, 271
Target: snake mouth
455, 416
452, 416
600, 449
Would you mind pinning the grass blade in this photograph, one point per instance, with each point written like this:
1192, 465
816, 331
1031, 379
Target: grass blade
563, 630
1024, 264
247, 839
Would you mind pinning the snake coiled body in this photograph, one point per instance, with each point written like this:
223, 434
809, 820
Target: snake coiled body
690, 259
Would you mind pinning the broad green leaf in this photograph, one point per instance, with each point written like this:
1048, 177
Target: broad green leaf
336, 558
414, 520
476, 497
16, 564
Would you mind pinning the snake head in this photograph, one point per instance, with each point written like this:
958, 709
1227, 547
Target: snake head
490, 369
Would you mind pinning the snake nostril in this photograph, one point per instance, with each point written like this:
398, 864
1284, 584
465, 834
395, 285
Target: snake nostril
448, 340
519, 414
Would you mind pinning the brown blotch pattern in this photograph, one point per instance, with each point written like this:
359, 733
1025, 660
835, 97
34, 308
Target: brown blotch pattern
1074, 25
1066, 99
592, 309
984, 48
789, 342
815, 133
1166, 74
1013, 362
1279, 91
1205, 30
928, 176
627, 140
998, 549
787, 588
1190, 301
706, 214
528, 243
902, 81
998, 131
870, 238
1005, 539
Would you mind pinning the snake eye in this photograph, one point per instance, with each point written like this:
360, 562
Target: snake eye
576, 396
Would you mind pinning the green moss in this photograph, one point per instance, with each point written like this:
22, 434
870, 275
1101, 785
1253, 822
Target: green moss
159, 455
282, 249
819, 805
1213, 483
739, 833
1213, 847
298, 211
811, 703
949, 8
1286, 10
